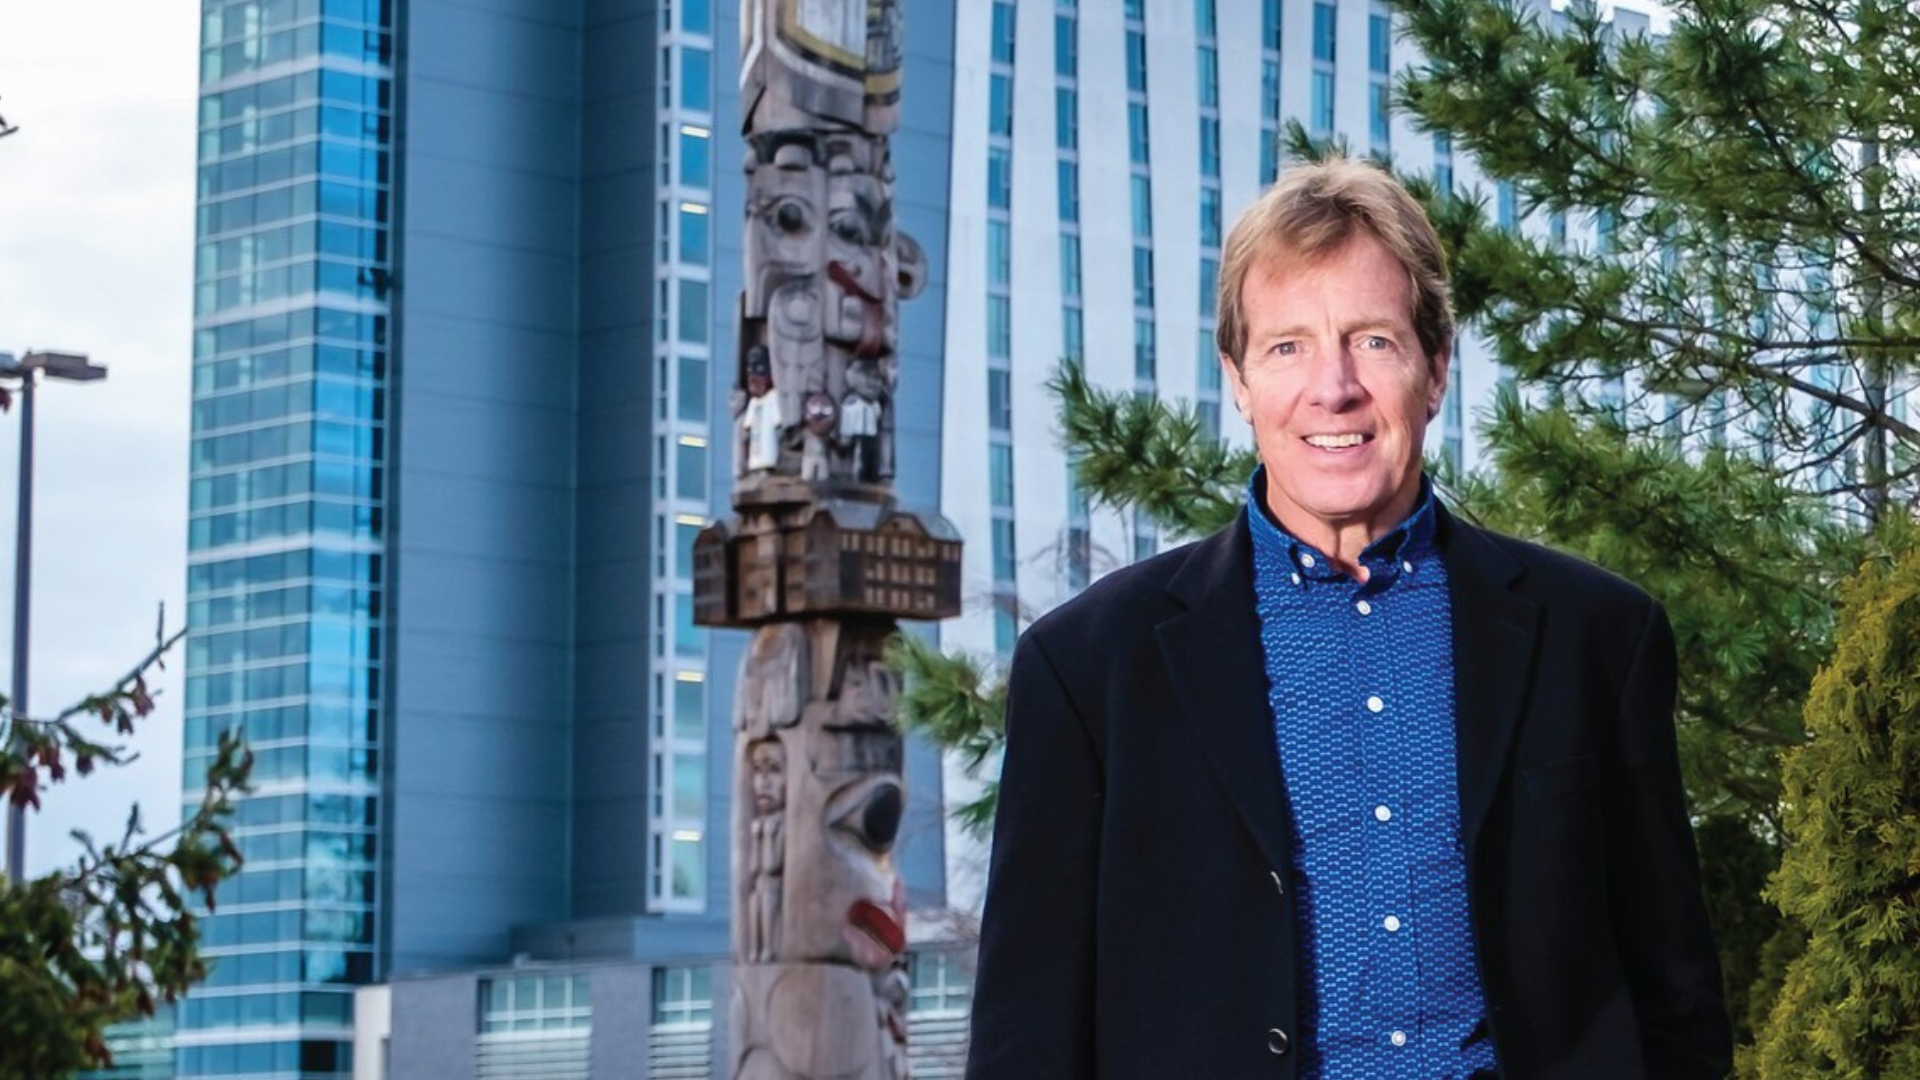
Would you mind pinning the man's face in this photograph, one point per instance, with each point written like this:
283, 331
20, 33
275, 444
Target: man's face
1337, 389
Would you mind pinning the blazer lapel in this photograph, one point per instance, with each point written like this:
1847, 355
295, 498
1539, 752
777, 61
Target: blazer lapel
1494, 635
1218, 671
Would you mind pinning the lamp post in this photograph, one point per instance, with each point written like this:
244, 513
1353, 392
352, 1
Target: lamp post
73, 367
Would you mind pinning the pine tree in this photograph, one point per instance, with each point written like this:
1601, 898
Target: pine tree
1850, 879
1746, 177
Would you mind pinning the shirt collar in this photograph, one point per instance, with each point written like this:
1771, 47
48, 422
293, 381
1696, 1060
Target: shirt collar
1401, 549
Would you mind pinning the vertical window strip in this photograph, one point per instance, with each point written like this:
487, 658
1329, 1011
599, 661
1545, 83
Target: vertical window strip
1000, 472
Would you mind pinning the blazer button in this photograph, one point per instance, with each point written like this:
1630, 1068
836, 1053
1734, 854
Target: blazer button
1277, 1041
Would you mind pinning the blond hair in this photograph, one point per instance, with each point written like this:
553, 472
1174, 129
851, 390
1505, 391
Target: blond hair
1313, 212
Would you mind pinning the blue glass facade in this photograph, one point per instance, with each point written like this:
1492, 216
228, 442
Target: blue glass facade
285, 564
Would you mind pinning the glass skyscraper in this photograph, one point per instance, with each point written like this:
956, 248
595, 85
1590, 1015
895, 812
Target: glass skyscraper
286, 571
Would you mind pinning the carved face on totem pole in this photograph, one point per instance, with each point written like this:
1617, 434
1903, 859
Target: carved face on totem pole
768, 760
846, 903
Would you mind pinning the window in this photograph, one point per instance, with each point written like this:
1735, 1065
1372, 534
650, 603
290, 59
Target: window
1072, 333
1209, 287
1066, 119
1379, 43
1067, 191
1142, 203
999, 178
1146, 536
999, 264
692, 395
1066, 46
696, 16
1323, 103
1003, 30
1207, 65
1210, 147
685, 875
999, 327
1142, 276
1137, 61
1270, 24
999, 399
1210, 217
1069, 265
939, 984
1270, 91
1137, 132
694, 234
682, 996
1000, 105
690, 467
1000, 475
1324, 18
1003, 556
695, 156
1507, 206
1207, 362
535, 1003
1006, 627
1144, 362
696, 79
693, 312
689, 706
1377, 125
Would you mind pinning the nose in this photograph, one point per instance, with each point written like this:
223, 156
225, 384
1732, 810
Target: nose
1333, 381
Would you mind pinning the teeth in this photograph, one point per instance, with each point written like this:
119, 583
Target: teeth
1335, 442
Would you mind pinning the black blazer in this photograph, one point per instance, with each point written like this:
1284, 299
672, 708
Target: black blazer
1138, 921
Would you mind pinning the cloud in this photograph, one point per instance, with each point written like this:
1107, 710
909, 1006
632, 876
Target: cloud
96, 255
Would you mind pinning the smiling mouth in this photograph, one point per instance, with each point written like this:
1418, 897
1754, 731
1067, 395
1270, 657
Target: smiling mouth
1336, 442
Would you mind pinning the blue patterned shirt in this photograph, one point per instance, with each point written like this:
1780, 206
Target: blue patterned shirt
1361, 685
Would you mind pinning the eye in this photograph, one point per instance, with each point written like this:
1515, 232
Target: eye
1375, 341
870, 814
1286, 348
788, 215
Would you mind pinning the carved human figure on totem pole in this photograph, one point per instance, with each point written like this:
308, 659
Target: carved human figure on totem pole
767, 760
757, 417
835, 966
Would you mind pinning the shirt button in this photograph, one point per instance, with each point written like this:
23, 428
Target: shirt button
1363, 608
1306, 561
1398, 1038
1391, 922
1381, 813
1374, 704
1296, 579
1407, 567
1277, 1041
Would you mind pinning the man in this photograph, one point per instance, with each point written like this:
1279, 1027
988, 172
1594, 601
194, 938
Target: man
1351, 790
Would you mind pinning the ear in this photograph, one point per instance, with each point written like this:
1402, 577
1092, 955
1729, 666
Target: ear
1230, 376
1439, 370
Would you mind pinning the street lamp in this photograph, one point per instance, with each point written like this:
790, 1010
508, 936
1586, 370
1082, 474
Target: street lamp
72, 367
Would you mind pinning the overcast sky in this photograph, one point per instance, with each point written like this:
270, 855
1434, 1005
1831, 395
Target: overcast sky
96, 256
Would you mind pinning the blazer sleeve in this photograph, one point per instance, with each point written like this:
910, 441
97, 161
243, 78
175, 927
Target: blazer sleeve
1033, 1001
1659, 918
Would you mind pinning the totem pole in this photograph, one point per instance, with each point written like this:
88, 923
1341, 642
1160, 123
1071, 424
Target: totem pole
818, 559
